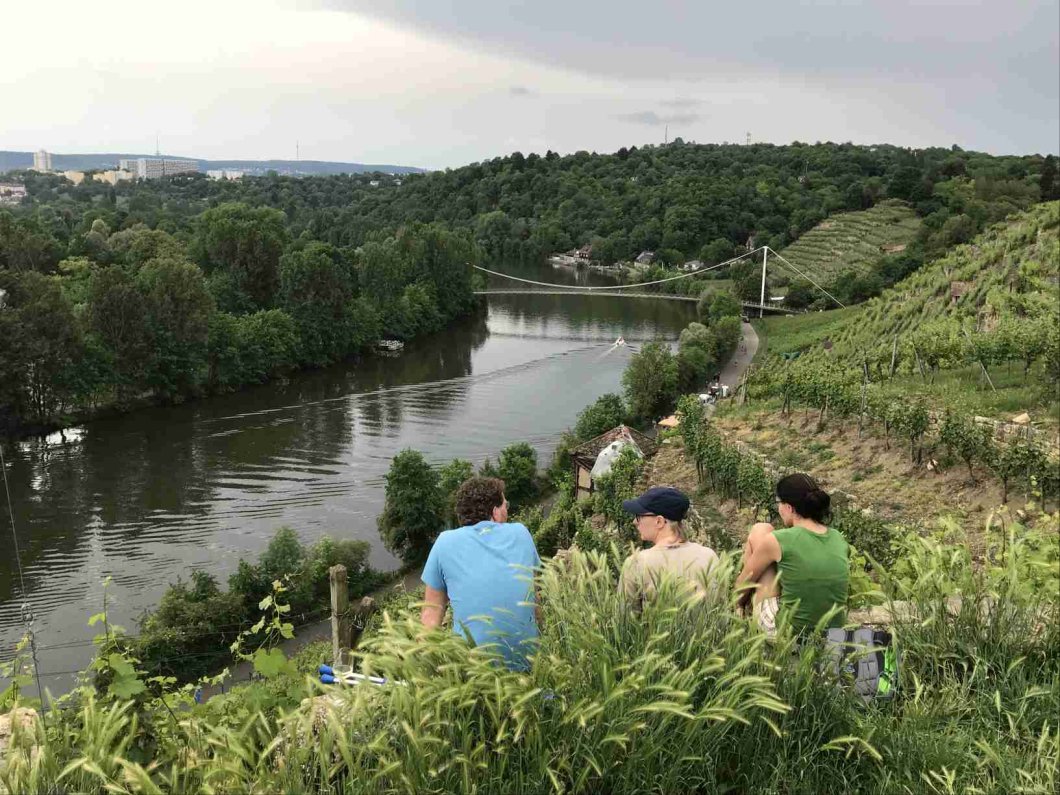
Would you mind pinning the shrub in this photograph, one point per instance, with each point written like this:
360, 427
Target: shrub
599, 417
412, 515
517, 467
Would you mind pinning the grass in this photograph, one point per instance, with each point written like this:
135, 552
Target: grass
682, 697
786, 333
853, 241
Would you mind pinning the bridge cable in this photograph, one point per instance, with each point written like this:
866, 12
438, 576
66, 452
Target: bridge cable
803, 275
26, 609
618, 286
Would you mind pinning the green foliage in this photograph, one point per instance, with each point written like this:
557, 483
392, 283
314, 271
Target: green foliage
190, 633
617, 485
450, 477
244, 243
976, 710
413, 513
607, 412
517, 467
650, 381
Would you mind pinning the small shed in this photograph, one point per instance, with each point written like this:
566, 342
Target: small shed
669, 422
583, 458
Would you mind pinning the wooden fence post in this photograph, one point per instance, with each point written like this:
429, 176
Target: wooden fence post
341, 631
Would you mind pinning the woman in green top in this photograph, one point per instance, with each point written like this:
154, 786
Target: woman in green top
802, 567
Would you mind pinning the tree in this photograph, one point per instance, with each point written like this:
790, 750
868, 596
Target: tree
317, 287
1049, 183
718, 250
650, 381
450, 477
800, 294
178, 310
40, 348
118, 316
25, 245
716, 304
601, 416
517, 467
246, 242
412, 514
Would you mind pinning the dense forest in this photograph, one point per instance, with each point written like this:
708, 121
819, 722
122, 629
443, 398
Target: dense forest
178, 287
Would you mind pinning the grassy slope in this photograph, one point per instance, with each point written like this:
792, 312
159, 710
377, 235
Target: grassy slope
853, 241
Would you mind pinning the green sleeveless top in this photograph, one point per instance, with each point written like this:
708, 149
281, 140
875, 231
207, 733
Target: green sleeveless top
813, 572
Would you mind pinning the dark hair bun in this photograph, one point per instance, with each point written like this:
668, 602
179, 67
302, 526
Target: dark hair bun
802, 493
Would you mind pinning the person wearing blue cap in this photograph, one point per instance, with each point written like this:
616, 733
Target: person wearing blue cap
658, 514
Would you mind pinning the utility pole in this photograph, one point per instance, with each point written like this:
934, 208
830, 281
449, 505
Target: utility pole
666, 135
762, 300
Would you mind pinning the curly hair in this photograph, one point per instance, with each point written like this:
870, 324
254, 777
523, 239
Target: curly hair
476, 498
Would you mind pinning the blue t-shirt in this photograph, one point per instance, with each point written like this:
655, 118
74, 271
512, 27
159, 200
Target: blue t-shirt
486, 569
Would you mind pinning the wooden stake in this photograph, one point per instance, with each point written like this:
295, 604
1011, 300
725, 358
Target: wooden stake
894, 355
341, 630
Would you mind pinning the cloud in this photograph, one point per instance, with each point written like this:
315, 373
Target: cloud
652, 118
521, 91
988, 74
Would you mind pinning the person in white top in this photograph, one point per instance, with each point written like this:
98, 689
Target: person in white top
658, 514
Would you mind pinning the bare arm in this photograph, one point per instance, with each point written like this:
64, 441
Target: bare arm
434, 607
762, 551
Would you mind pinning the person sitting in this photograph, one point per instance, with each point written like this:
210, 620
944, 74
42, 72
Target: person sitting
801, 567
658, 514
484, 570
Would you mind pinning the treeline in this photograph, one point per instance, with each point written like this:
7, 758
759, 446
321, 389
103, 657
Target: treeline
682, 201
139, 313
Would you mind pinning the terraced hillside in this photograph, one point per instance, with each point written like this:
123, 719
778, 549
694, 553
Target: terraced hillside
1013, 264
1012, 267
854, 241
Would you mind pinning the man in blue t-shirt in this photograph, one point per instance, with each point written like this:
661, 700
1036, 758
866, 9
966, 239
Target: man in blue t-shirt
485, 571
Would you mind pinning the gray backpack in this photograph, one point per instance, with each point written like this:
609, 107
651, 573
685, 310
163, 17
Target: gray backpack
867, 658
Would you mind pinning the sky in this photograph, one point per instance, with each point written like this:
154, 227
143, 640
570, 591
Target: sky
441, 83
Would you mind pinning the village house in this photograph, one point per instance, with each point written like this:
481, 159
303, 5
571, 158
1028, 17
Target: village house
12, 193
588, 457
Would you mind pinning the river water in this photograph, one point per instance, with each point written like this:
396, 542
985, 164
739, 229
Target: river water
150, 496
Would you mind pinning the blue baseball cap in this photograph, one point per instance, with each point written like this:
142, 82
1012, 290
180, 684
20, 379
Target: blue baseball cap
661, 501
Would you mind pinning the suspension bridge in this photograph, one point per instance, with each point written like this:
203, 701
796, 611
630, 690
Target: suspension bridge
751, 305
627, 290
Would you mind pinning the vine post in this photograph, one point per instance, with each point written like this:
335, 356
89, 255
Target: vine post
341, 629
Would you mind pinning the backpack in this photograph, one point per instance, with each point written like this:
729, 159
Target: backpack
866, 657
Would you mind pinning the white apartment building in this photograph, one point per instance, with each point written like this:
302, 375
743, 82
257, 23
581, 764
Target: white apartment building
155, 167
224, 173
42, 161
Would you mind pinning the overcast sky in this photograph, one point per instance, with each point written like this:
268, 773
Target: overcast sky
438, 83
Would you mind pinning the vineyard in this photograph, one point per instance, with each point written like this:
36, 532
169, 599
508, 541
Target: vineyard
992, 300
855, 241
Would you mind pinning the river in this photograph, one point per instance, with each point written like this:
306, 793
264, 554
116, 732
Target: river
148, 497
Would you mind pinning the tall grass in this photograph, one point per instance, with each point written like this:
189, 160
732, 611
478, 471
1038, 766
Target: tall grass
684, 696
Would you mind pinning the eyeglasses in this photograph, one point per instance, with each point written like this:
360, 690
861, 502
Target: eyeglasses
645, 515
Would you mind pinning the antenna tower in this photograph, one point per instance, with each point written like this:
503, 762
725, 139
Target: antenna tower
666, 135
157, 152
748, 139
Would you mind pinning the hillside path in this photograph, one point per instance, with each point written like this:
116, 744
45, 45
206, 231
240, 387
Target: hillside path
734, 369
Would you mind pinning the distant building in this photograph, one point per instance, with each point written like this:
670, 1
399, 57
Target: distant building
42, 161
224, 173
157, 167
645, 258
114, 176
692, 265
374, 183
11, 193
76, 177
